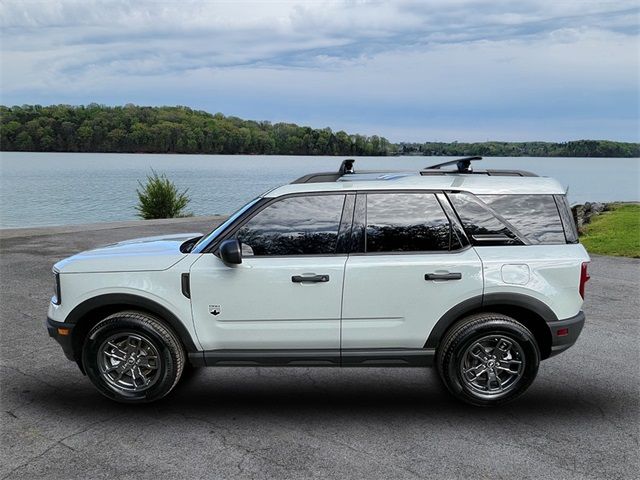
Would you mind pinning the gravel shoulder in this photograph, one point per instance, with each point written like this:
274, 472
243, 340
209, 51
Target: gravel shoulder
580, 419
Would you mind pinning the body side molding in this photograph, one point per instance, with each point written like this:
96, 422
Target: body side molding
376, 357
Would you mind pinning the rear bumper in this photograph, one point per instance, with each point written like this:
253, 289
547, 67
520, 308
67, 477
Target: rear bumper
55, 330
564, 333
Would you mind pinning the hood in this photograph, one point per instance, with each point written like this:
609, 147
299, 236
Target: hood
140, 254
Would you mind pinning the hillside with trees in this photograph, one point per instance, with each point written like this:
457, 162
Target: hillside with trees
578, 148
135, 129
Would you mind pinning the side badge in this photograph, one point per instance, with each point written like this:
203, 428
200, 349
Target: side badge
214, 309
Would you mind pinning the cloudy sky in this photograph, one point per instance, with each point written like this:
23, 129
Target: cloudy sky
409, 70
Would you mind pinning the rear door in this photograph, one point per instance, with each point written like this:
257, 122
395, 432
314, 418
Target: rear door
412, 264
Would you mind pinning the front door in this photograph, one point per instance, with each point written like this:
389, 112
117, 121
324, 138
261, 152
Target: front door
286, 294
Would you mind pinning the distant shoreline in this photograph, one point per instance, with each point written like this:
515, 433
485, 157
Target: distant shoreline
181, 130
311, 155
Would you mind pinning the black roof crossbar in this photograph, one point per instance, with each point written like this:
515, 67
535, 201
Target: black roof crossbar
346, 168
463, 164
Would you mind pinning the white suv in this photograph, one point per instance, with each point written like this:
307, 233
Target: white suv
478, 273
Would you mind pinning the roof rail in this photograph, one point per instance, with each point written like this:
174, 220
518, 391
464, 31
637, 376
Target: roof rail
491, 173
463, 166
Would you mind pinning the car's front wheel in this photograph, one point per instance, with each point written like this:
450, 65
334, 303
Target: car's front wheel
488, 359
133, 357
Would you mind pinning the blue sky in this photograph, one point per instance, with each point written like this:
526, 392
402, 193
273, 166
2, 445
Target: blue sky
409, 70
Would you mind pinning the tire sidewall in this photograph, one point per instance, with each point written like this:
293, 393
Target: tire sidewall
114, 325
466, 337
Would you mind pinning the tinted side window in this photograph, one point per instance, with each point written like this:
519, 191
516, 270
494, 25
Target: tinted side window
569, 224
294, 226
406, 222
535, 216
481, 225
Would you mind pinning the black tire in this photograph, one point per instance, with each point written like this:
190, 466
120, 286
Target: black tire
474, 372
133, 357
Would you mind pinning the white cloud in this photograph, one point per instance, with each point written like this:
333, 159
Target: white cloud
345, 60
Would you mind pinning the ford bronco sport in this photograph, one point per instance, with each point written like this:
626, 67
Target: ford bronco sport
478, 273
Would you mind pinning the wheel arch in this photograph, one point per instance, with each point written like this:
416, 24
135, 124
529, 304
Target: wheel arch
88, 313
531, 312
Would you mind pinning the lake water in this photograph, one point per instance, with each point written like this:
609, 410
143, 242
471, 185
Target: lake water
40, 189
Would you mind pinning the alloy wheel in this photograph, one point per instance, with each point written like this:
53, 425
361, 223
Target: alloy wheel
492, 365
129, 362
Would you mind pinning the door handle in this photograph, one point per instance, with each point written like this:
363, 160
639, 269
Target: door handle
309, 278
442, 276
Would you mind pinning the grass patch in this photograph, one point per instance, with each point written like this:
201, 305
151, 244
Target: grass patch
615, 232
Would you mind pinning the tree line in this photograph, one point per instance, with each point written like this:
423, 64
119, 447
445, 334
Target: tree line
577, 148
136, 129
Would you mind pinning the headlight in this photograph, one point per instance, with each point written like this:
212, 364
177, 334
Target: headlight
57, 298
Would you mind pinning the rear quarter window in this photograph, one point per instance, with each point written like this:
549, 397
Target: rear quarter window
536, 217
480, 223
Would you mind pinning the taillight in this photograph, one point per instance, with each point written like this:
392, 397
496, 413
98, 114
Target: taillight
584, 277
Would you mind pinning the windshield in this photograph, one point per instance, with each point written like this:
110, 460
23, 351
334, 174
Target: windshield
204, 241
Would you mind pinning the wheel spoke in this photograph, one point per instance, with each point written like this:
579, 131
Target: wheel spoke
493, 378
134, 378
145, 380
149, 362
511, 360
133, 343
475, 354
113, 355
116, 347
503, 369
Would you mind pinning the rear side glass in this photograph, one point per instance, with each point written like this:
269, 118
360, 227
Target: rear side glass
534, 216
568, 222
406, 222
480, 224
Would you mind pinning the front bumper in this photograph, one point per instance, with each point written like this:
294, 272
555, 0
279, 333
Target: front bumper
564, 333
57, 330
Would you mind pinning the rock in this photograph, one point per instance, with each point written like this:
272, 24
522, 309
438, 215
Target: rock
579, 215
582, 214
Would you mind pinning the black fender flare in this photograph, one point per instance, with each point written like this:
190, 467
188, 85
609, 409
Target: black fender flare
126, 300
485, 302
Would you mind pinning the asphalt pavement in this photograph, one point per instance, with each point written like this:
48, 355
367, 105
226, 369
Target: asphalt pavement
580, 419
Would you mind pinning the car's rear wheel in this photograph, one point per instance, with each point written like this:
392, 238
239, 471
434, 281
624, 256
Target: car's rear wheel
133, 357
488, 359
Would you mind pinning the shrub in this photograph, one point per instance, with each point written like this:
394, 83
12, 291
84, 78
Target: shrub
160, 198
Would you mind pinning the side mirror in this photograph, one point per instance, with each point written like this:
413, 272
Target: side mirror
230, 252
